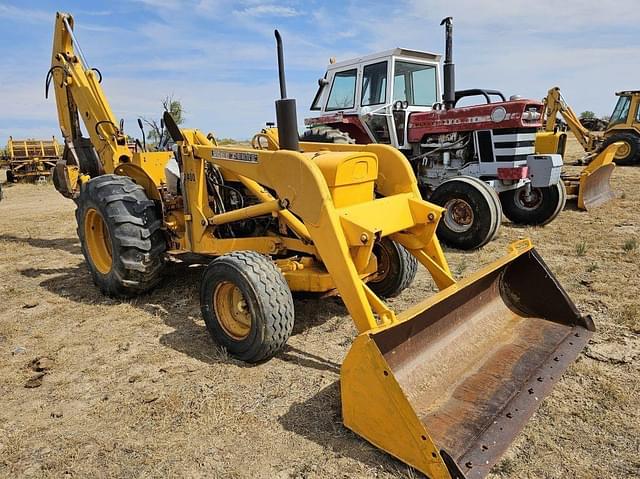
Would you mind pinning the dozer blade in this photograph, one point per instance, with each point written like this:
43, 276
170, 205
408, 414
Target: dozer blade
448, 387
595, 188
593, 185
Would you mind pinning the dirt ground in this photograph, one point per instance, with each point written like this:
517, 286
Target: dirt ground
138, 388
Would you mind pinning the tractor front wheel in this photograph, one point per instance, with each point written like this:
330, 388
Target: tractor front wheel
535, 207
472, 216
396, 269
247, 305
120, 235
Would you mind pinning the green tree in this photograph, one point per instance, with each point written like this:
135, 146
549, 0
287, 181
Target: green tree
587, 114
157, 133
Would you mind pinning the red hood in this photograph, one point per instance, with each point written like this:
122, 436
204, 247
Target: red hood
475, 117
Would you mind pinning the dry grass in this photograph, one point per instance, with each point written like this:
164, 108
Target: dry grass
138, 389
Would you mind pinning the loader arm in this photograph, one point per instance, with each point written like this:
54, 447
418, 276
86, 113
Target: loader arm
342, 223
555, 104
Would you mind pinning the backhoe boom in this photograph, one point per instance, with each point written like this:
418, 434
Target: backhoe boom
555, 103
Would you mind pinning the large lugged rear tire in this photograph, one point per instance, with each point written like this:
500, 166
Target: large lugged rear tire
629, 152
326, 134
472, 216
542, 206
247, 305
120, 235
396, 269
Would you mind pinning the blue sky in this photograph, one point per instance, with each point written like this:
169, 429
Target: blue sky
218, 56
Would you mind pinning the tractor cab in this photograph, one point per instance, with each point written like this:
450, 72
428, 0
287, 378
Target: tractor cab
377, 93
626, 112
624, 127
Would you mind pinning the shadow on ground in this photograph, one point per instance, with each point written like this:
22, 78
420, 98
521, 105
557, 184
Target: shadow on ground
70, 245
176, 302
319, 419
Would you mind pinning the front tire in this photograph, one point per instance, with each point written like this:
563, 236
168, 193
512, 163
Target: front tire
120, 236
629, 153
538, 208
396, 269
247, 305
472, 216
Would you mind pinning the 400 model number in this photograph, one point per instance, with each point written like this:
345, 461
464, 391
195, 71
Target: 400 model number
234, 155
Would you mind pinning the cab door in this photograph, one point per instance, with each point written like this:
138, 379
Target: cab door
415, 88
375, 104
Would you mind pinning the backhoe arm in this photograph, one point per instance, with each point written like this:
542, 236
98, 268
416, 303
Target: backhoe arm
79, 95
554, 103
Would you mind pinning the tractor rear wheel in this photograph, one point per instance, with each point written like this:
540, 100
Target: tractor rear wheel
396, 269
537, 207
120, 235
472, 216
326, 134
247, 305
629, 152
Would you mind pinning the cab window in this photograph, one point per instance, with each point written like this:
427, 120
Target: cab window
343, 90
374, 84
621, 111
415, 83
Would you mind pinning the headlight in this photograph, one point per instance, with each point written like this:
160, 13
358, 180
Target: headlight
498, 114
531, 115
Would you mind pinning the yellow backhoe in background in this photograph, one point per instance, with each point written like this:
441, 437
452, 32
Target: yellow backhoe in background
444, 386
620, 143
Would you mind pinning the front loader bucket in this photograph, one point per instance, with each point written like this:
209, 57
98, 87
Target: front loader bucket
448, 387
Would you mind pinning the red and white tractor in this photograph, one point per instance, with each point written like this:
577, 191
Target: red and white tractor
476, 161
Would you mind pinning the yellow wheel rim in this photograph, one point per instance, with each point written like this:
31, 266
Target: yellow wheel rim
623, 150
97, 240
384, 263
231, 310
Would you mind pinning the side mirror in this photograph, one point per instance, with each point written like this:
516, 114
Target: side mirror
400, 105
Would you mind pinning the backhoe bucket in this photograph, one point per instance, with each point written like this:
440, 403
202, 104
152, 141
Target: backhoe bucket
448, 387
593, 185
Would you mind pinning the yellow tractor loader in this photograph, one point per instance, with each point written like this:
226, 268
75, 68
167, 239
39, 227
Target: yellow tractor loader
592, 185
444, 386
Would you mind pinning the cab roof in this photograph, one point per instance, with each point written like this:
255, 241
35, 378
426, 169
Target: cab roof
627, 92
399, 52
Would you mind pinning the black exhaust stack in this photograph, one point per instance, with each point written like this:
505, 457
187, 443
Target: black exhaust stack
286, 116
449, 94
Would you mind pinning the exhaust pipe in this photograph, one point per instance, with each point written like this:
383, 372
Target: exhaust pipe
449, 94
286, 116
